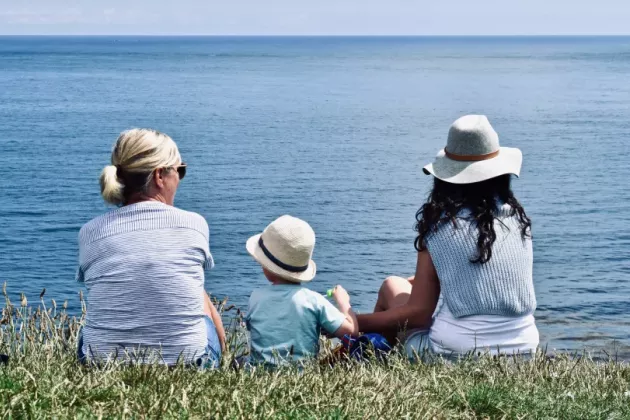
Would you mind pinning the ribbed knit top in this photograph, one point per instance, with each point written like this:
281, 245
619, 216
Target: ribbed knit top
502, 286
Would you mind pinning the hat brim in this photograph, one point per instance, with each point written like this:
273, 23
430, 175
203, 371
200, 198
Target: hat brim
508, 161
257, 253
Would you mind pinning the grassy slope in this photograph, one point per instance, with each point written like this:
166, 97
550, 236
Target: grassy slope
43, 380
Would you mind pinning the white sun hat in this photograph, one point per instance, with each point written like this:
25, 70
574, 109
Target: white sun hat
472, 153
285, 248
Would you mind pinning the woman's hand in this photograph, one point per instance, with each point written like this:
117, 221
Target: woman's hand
212, 312
222, 338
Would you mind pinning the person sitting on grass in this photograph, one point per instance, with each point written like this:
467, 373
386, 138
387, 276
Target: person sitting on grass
474, 249
144, 263
285, 318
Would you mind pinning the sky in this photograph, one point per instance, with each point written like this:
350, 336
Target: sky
315, 17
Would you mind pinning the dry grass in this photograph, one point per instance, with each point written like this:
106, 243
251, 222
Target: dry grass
44, 380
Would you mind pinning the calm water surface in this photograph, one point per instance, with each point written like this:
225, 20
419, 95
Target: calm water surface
334, 131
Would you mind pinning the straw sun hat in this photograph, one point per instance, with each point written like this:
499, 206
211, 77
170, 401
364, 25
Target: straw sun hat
285, 248
472, 153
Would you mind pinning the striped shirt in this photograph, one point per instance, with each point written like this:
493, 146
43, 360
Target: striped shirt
143, 267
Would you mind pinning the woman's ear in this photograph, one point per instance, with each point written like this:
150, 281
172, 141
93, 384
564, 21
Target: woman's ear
158, 177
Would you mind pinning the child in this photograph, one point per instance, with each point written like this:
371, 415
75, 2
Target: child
285, 318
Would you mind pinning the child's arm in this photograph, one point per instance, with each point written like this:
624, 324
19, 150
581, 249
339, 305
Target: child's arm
350, 325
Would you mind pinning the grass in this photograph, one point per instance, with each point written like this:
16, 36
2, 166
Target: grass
43, 379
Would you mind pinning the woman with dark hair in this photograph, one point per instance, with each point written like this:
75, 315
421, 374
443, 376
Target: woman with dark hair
474, 251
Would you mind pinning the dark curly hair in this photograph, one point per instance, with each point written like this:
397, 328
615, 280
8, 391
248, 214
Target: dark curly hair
446, 200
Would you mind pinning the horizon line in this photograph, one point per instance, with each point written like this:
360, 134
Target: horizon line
576, 35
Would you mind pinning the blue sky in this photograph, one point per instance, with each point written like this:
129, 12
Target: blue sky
316, 17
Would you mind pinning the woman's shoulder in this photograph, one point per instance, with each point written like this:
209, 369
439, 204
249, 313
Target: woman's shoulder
464, 222
502, 210
194, 219
142, 216
97, 224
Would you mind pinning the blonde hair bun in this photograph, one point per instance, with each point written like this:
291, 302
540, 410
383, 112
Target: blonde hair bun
112, 189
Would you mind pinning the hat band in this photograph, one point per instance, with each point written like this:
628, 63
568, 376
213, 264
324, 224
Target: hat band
291, 268
470, 158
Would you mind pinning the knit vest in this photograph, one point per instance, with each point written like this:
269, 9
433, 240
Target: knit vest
502, 286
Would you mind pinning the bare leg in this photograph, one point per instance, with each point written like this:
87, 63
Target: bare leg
394, 292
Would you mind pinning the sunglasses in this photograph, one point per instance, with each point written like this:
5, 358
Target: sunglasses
181, 170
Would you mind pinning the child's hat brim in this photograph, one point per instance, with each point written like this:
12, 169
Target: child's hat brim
257, 253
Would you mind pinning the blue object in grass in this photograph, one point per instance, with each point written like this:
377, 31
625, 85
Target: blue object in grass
369, 344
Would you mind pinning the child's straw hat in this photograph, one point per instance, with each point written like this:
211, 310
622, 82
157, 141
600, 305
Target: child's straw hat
285, 248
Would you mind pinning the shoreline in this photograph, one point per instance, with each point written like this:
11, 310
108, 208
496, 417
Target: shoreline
44, 379
613, 349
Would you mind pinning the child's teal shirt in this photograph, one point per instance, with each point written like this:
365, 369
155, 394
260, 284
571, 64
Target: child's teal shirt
285, 322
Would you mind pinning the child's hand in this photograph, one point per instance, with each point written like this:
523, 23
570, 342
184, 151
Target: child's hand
351, 324
342, 298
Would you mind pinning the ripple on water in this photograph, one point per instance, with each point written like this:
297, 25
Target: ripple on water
333, 131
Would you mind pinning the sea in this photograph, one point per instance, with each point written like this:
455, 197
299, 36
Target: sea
334, 130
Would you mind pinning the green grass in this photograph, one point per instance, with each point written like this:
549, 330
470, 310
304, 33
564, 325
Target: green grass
44, 380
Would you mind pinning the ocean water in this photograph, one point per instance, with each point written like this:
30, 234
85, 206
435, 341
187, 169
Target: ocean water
335, 131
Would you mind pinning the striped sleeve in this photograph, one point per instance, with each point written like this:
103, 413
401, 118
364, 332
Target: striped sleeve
205, 230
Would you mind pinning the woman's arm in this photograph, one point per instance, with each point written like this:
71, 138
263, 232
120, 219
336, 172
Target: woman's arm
418, 311
212, 312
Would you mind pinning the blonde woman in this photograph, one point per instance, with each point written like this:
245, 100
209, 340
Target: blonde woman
143, 262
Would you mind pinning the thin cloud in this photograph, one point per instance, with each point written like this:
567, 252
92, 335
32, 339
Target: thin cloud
26, 16
322, 17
